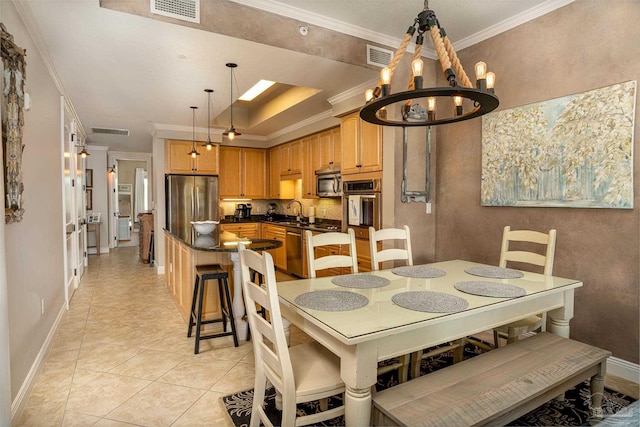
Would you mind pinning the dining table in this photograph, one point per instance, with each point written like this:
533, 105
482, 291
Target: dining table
368, 317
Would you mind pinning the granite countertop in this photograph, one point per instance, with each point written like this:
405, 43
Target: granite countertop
287, 221
223, 241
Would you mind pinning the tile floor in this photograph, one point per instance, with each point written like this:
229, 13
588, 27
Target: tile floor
121, 357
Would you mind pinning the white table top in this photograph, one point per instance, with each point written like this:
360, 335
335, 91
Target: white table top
381, 317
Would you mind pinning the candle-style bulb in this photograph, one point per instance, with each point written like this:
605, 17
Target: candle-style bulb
458, 101
431, 104
491, 81
416, 66
385, 75
481, 70
231, 135
368, 95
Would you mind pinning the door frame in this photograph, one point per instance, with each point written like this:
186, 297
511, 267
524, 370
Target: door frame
112, 159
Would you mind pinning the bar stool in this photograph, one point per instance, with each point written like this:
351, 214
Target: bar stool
204, 273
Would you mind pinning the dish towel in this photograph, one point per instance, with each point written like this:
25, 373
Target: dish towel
354, 210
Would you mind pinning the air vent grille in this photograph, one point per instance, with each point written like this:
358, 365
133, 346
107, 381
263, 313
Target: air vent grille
185, 10
378, 56
110, 131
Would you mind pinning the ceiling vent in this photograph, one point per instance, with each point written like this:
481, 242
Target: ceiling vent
110, 131
378, 56
185, 10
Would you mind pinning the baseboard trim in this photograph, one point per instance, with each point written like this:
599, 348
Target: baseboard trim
17, 406
622, 369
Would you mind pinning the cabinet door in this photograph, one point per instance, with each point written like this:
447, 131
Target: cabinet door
295, 157
177, 158
229, 182
350, 131
274, 173
309, 166
207, 161
254, 171
325, 150
336, 148
370, 151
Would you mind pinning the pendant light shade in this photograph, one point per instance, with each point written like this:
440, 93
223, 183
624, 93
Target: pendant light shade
231, 133
209, 144
193, 153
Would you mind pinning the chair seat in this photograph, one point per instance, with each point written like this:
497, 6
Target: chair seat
316, 370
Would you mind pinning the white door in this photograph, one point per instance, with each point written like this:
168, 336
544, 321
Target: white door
115, 213
69, 186
81, 216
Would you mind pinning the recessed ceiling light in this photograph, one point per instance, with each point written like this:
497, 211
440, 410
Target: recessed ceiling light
256, 90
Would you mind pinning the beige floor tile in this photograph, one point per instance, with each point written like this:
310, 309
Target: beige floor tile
238, 379
76, 419
42, 414
198, 373
104, 356
157, 405
207, 411
105, 422
104, 394
148, 365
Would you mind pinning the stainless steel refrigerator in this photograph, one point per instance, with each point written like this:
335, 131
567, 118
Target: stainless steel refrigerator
190, 198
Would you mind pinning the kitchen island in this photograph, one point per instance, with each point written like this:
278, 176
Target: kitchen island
184, 251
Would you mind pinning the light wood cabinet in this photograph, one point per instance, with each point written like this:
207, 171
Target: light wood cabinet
278, 189
243, 173
245, 229
329, 149
361, 145
310, 163
178, 160
291, 158
180, 263
279, 233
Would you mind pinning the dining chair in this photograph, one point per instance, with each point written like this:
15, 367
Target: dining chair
331, 261
513, 330
378, 256
302, 373
399, 254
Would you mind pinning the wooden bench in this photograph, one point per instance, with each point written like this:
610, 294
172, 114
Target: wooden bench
495, 387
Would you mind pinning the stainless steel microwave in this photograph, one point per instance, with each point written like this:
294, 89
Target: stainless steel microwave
328, 183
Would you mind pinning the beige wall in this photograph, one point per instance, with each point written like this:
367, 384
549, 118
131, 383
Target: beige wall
580, 47
34, 247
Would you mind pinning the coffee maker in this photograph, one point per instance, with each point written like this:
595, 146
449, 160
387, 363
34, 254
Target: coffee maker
272, 210
243, 210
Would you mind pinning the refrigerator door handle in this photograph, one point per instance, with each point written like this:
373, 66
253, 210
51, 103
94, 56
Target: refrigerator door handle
197, 202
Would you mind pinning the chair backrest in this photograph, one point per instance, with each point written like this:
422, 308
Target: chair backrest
331, 261
269, 342
546, 260
392, 253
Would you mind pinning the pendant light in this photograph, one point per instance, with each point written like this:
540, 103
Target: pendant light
209, 144
193, 153
231, 133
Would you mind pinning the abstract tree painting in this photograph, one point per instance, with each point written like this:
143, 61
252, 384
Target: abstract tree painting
575, 151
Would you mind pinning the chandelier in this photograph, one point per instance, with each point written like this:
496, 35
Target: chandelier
437, 105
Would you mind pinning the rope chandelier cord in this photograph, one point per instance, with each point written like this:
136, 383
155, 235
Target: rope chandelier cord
460, 86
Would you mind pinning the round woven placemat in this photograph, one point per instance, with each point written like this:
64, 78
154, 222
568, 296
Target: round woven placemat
490, 289
494, 272
419, 271
360, 281
430, 302
330, 300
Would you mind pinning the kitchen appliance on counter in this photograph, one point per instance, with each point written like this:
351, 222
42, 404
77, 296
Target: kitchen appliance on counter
328, 183
363, 207
272, 211
243, 211
190, 198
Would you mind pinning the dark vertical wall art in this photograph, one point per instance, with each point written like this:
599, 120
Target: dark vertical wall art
14, 69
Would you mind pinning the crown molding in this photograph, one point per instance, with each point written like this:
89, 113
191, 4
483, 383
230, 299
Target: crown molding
309, 121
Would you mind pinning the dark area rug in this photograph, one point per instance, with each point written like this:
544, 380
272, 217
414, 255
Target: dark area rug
572, 411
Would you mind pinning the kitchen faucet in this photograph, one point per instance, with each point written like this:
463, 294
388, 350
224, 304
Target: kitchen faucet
300, 217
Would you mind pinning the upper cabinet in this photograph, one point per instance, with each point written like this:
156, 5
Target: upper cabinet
329, 149
310, 163
243, 173
291, 158
178, 160
362, 145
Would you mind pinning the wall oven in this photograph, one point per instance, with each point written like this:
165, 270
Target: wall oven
363, 207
